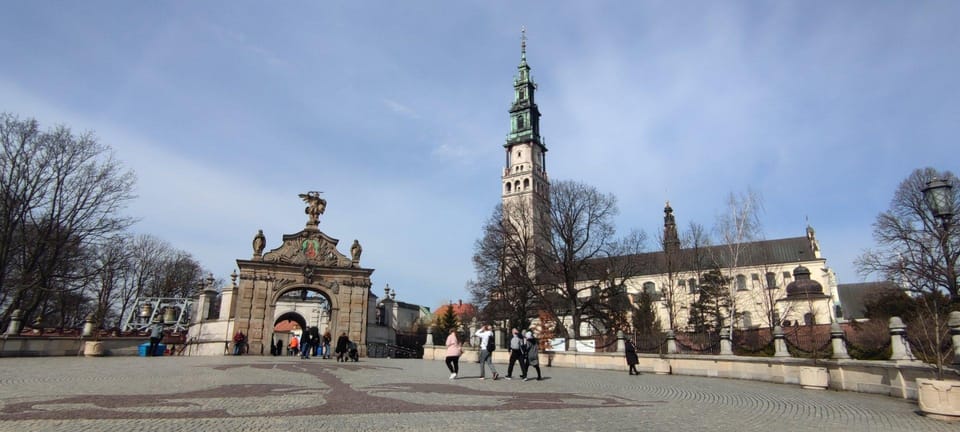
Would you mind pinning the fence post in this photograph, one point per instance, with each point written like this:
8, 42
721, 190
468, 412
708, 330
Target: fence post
726, 347
836, 339
779, 344
430, 340
621, 347
954, 323
671, 342
16, 322
901, 351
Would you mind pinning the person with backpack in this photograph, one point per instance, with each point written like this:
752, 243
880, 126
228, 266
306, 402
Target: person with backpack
515, 355
531, 347
487, 345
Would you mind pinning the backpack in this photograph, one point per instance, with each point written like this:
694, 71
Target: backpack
491, 344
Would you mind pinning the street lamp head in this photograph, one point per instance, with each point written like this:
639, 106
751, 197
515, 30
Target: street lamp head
939, 197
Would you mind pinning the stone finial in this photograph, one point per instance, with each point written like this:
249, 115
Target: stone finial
16, 323
897, 325
837, 342
259, 242
954, 320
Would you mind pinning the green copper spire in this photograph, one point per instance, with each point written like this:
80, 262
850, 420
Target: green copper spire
524, 114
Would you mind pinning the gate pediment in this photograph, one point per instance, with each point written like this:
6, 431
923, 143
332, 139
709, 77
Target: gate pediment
308, 247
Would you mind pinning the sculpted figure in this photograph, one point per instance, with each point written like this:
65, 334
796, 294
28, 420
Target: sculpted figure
259, 241
315, 206
355, 251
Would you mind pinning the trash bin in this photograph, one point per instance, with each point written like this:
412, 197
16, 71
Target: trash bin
142, 349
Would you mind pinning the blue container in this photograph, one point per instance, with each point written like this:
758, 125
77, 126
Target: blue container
142, 349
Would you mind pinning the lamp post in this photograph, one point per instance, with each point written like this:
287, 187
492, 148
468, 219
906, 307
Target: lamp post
939, 198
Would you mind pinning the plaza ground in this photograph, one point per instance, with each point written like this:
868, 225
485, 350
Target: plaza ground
252, 393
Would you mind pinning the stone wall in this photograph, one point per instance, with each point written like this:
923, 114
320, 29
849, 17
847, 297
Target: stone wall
891, 378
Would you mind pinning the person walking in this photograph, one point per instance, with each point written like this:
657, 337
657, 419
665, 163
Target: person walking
325, 345
156, 334
630, 352
532, 349
343, 344
294, 345
454, 350
486, 347
306, 343
515, 355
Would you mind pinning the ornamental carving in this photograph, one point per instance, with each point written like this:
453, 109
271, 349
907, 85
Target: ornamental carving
309, 248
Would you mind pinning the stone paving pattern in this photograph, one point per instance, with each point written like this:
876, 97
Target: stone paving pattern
290, 394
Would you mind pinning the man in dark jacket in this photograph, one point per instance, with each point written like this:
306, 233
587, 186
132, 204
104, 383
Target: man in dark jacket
515, 355
343, 344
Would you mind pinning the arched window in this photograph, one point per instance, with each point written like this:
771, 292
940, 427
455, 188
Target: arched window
741, 282
520, 122
526, 184
508, 187
516, 185
808, 318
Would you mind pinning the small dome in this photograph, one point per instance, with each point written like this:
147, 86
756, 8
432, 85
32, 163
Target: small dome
802, 285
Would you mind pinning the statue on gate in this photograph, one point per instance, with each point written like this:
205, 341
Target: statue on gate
315, 206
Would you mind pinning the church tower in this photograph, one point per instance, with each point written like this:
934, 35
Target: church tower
525, 186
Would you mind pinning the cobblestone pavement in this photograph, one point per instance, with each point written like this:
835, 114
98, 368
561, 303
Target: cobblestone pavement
261, 393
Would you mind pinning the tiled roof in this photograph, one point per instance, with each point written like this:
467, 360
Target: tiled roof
766, 252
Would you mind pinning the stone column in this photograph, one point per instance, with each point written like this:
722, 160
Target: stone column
954, 323
836, 339
779, 344
430, 340
901, 351
621, 347
672, 342
726, 346
16, 323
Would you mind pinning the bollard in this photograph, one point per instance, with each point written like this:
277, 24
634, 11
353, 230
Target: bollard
672, 342
726, 346
779, 344
901, 351
836, 339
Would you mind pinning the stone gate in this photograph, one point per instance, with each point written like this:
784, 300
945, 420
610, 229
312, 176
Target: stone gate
306, 261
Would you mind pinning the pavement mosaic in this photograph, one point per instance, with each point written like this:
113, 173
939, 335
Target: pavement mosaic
260, 393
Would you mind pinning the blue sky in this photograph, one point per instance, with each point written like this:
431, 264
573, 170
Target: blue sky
398, 112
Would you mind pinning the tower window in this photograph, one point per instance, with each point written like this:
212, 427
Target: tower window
519, 154
526, 184
519, 122
523, 94
508, 187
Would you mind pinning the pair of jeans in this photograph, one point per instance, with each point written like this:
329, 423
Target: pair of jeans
486, 358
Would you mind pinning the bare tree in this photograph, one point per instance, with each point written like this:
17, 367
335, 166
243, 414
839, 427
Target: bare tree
736, 228
61, 194
581, 231
503, 257
913, 248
